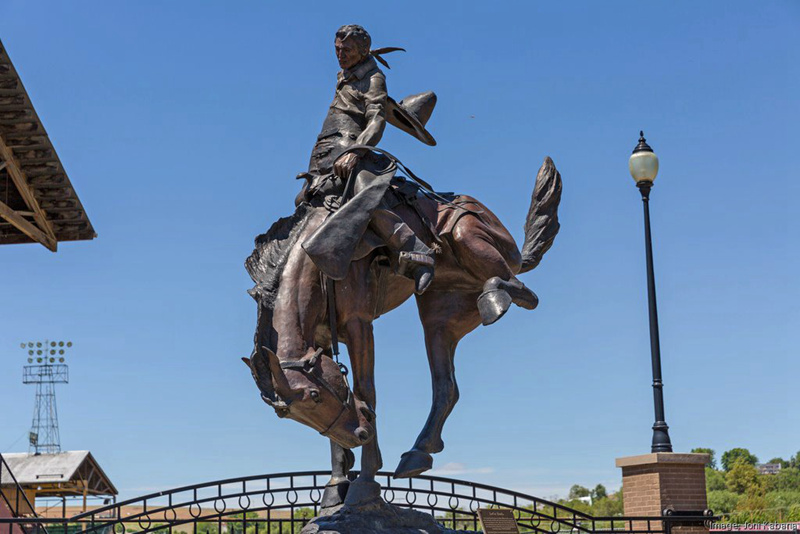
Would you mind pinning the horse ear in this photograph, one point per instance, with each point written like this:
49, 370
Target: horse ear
262, 374
281, 383
271, 357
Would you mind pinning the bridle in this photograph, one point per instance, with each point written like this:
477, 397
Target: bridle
306, 366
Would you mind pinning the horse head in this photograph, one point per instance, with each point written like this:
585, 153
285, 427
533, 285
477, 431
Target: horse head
299, 382
313, 391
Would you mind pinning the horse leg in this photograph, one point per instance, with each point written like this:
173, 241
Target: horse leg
342, 461
446, 318
477, 252
361, 348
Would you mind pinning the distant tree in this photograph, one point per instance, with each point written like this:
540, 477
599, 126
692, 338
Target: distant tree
786, 504
794, 461
576, 504
723, 502
752, 508
303, 513
608, 507
577, 492
207, 527
729, 458
743, 478
599, 492
235, 522
715, 480
788, 479
712, 460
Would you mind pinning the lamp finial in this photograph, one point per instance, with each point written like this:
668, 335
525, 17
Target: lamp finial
642, 146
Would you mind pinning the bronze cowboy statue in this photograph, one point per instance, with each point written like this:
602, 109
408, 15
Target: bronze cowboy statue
357, 116
362, 241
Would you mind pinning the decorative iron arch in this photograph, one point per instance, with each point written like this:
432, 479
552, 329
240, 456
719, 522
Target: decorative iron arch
255, 504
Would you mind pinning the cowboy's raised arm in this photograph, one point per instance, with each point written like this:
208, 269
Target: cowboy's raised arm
375, 102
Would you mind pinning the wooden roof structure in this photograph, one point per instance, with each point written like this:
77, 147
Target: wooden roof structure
37, 201
70, 473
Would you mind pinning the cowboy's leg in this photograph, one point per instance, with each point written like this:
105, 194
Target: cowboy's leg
415, 258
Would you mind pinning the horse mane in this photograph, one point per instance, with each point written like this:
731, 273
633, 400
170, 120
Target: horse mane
265, 265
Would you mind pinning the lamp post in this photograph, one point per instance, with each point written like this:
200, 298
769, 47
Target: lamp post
643, 165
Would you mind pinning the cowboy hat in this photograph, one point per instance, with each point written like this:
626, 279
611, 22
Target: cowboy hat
411, 114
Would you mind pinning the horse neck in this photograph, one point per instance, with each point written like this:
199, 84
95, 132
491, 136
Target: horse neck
300, 306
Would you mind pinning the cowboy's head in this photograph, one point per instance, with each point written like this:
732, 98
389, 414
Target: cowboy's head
352, 45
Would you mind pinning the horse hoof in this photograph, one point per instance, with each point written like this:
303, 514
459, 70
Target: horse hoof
521, 295
334, 494
493, 304
498, 295
413, 463
362, 492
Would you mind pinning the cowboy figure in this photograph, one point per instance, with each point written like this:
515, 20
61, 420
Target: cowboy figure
357, 117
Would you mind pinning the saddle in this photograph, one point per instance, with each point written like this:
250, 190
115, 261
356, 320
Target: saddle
439, 212
344, 236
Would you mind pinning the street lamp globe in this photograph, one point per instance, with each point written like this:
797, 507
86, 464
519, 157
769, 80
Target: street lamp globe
643, 163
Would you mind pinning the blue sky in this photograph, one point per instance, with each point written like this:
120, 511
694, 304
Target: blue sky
183, 124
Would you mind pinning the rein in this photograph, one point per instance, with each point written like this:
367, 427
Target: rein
425, 187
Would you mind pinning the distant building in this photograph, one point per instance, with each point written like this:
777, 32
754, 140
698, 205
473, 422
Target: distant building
769, 469
71, 474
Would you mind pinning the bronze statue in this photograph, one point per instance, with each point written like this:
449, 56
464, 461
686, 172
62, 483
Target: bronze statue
359, 244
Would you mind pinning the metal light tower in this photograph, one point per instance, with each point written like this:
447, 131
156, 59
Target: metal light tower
46, 370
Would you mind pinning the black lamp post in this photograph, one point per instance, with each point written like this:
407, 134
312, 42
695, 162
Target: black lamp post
644, 168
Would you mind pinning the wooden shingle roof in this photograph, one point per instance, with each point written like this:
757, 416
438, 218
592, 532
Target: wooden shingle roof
63, 473
37, 201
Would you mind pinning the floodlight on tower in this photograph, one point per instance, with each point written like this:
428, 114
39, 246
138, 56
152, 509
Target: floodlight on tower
44, 434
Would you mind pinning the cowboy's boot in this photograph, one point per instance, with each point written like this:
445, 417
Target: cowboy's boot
415, 258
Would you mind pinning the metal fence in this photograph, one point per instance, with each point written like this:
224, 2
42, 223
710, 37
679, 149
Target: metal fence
284, 503
15, 499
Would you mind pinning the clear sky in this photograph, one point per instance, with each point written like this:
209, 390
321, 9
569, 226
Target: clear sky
183, 124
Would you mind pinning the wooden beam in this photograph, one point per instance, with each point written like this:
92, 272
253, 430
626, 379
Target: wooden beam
26, 227
21, 181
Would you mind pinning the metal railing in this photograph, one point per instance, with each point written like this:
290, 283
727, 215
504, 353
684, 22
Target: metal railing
284, 503
8, 483
14, 496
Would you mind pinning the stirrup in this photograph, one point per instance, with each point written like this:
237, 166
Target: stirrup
409, 260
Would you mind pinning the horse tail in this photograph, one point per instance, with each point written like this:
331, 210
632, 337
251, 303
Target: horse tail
541, 225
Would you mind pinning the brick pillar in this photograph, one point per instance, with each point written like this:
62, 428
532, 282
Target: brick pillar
654, 482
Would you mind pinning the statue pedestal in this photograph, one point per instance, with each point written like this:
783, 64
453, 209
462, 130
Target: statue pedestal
652, 483
376, 516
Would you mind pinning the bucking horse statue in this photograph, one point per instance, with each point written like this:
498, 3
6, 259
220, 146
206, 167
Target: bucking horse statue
319, 282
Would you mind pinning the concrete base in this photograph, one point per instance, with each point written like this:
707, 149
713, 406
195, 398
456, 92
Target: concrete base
377, 516
652, 483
